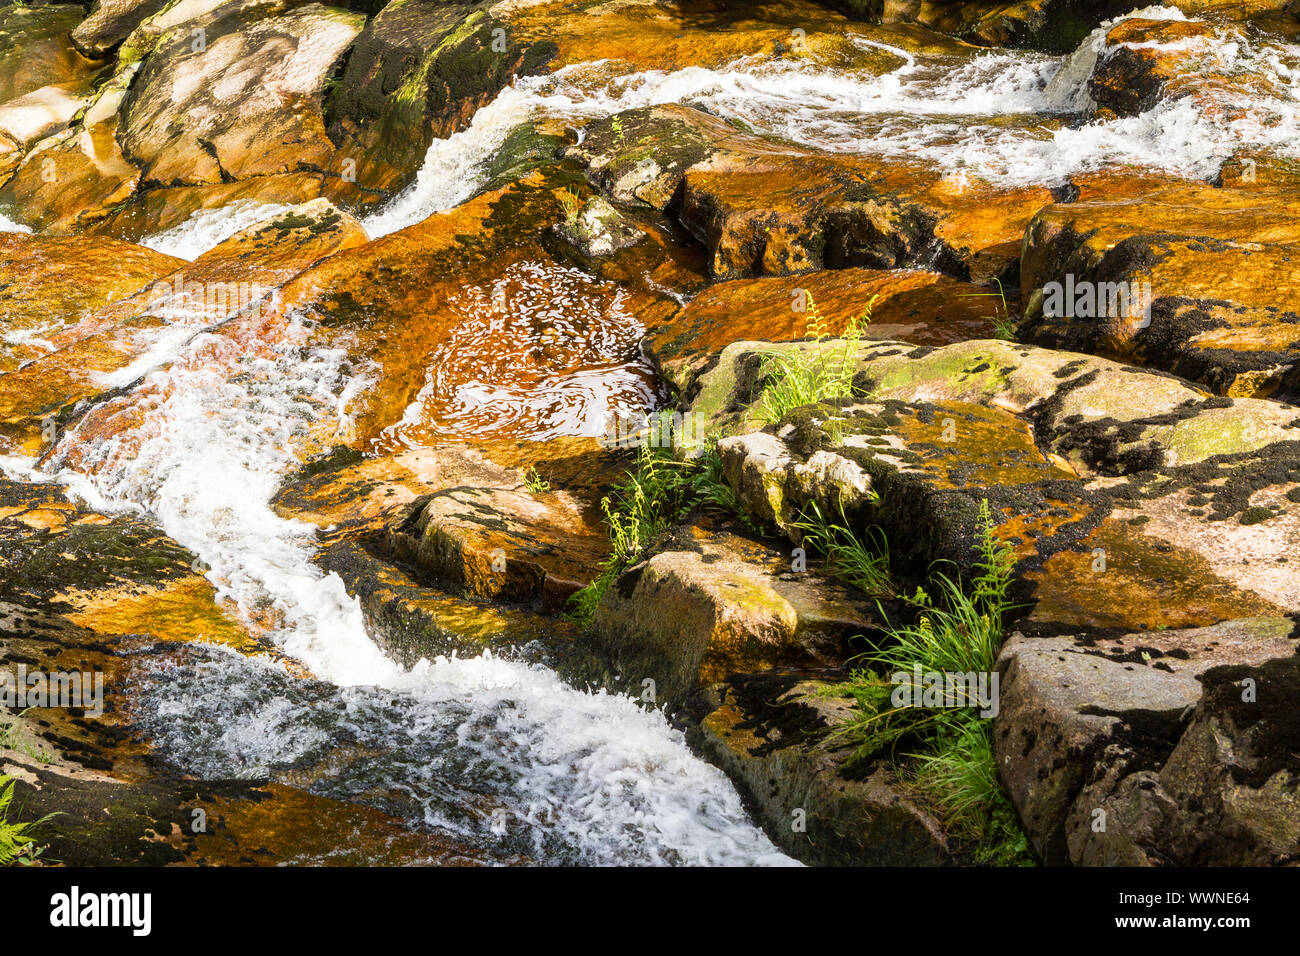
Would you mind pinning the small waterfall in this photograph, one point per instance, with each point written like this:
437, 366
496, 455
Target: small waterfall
570, 776
207, 228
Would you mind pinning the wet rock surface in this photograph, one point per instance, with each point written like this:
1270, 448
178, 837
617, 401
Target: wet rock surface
597, 234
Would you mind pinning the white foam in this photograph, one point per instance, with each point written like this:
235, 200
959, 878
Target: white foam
938, 108
221, 427
210, 227
8, 225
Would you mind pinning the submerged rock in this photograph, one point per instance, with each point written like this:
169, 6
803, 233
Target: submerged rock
44, 287
488, 293
112, 347
35, 52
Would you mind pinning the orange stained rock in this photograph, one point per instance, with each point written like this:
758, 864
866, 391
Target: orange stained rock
91, 177
476, 328
1147, 584
925, 308
50, 283
184, 609
655, 36
243, 271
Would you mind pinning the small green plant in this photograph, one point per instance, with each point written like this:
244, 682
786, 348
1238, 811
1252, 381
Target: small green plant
1004, 325
658, 493
534, 482
865, 565
17, 840
958, 630
571, 203
803, 375
616, 126
958, 777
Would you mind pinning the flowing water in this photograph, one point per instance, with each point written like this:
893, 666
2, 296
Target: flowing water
501, 753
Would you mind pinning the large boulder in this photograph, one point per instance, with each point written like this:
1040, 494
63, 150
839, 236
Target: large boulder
247, 103
1189, 279
1086, 722
1131, 500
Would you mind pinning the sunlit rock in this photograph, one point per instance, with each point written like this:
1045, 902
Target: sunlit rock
710, 604
49, 284
115, 345
1189, 279
761, 205
247, 104
1100, 743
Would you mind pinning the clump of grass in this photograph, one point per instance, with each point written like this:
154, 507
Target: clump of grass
803, 376
1004, 324
534, 482
957, 630
658, 493
865, 565
17, 840
571, 203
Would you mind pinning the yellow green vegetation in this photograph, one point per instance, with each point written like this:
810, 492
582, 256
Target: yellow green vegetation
825, 369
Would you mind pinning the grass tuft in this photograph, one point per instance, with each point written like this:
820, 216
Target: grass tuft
956, 630
865, 565
658, 493
804, 376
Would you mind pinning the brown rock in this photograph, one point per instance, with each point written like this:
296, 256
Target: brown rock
711, 604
